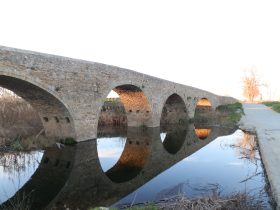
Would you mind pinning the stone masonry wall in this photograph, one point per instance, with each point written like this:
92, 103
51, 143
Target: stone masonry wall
69, 93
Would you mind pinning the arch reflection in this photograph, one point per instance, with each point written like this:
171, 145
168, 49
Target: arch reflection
202, 132
173, 137
88, 185
128, 155
173, 123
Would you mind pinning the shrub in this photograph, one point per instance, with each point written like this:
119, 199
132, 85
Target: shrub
68, 141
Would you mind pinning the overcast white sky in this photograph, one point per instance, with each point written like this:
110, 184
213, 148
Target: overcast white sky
206, 44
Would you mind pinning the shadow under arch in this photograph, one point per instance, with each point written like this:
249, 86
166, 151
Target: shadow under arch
55, 117
173, 123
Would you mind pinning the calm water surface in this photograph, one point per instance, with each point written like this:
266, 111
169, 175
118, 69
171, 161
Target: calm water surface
122, 167
228, 162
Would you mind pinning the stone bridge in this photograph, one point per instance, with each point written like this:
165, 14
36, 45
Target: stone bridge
69, 93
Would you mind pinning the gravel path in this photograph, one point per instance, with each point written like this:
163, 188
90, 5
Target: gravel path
266, 123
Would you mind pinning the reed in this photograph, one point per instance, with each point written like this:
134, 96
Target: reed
17, 118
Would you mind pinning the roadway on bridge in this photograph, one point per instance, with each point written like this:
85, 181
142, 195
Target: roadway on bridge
266, 123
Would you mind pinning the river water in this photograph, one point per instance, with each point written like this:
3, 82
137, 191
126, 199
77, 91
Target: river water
135, 166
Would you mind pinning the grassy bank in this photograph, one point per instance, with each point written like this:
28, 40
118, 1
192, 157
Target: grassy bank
275, 105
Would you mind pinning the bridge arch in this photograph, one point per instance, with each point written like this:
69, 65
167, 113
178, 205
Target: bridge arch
54, 114
136, 105
174, 110
204, 104
134, 156
174, 118
204, 115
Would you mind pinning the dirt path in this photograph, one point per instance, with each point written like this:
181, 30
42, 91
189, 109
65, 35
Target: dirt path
266, 123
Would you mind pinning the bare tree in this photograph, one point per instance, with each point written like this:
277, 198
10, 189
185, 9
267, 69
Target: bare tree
251, 84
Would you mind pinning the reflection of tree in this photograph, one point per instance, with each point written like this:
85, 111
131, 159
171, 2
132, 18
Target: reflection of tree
18, 162
246, 147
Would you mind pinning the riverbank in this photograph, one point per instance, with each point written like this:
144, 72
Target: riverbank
235, 201
266, 124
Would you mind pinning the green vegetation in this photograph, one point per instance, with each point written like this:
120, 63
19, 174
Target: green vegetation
231, 108
68, 141
275, 105
234, 111
276, 108
271, 103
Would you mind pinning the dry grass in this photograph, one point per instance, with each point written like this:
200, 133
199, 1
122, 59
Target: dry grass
17, 118
15, 111
211, 197
235, 201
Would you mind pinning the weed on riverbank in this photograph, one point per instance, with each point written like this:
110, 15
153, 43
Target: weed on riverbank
275, 105
238, 200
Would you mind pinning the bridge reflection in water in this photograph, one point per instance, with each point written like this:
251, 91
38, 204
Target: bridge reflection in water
74, 177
